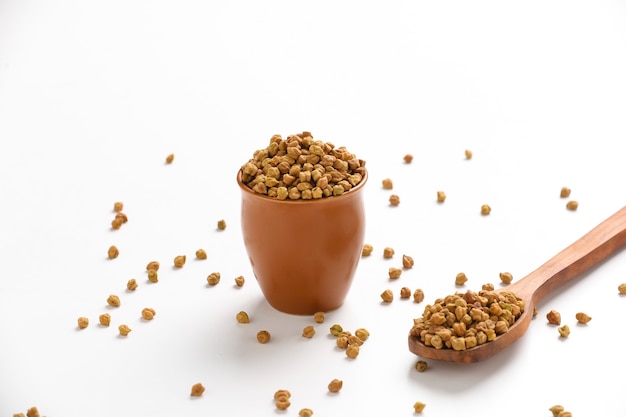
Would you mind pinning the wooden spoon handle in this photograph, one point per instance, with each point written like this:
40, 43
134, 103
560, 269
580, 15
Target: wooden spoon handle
588, 251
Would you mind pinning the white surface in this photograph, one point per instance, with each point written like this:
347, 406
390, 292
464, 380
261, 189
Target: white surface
95, 95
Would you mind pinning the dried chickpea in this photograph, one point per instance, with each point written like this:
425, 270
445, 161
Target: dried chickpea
622, 288
19, 415
242, 317
407, 262
572, 205
213, 278
154, 265
419, 406
362, 334
153, 275
394, 200
485, 209
114, 301
352, 351
554, 317
583, 318
305, 412
83, 322
408, 158
387, 184
308, 332
468, 154
421, 366
460, 279
179, 261
388, 253
124, 330
32, 412
319, 317
441, 196
105, 319
506, 277
565, 192
118, 206
169, 158
418, 295
116, 223
201, 254
240, 280
564, 414
148, 313
367, 250
221, 224
282, 394
564, 330
387, 296
282, 404
488, 287
263, 336
121, 216
336, 329
405, 292
131, 285
394, 273
197, 389
556, 409
113, 252
335, 385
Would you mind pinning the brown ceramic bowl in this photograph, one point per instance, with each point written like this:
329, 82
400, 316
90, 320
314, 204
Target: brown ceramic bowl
304, 253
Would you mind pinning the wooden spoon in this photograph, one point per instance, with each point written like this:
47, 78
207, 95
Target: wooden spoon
588, 251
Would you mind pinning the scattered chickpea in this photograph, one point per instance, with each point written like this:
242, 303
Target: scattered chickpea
319, 317
154, 265
221, 224
564, 330
282, 394
116, 223
488, 287
362, 334
83, 322
387, 184
565, 192
118, 206
554, 317
121, 216
506, 277
394, 273
387, 296
283, 404
148, 313
153, 275
308, 332
556, 409
113, 252
213, 278
114, 301
419, 407
418, 295
622, 288
468, 154
352, 351
441, 196
408, 158
405, 292
564, 414
263, 336
105, 319
394, 200
240, 280
367, 250
305, 412
421, 366
197, 389
201, 254
179, 261
335, 329
388, 253
407, 262
32, 412
335, 385
124, 330
131, 285
242, 317
572, 205
169, 159
460, 279
583, 318
485, 209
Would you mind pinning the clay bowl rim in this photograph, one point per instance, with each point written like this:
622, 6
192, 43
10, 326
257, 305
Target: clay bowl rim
322, 200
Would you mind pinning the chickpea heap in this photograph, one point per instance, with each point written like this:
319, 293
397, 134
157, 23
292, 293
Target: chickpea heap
301, 168
463, 321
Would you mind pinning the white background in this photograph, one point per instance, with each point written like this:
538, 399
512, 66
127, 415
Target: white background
94, 95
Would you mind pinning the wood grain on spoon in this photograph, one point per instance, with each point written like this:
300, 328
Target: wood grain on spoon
588, 251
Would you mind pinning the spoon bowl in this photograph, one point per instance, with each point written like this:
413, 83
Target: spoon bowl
588, 251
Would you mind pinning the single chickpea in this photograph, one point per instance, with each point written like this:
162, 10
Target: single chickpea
105, 319
240, 280
221, 224
263, 336
242, 317
179, 261
408, 158
113, 252
118, 206
131, 285
153, 275
394, 273
169, 158
154, 265
83, 322
335, 385
213, 278
367, 250
506, 277
124, 330
388, 253
418, 295
407, 262
441, 196
460, 279
197, 389
319, 317
394, 200
572, 205
308, 332
148, 313
485, 209
114, 301
387, 296
387, 184
201, 254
